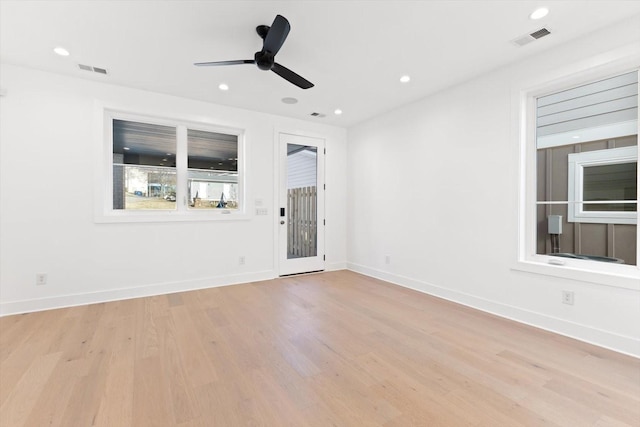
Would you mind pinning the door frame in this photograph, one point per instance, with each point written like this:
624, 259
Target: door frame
319, 264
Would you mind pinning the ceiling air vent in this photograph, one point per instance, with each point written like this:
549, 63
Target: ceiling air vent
540, 33
94, 69
523, 40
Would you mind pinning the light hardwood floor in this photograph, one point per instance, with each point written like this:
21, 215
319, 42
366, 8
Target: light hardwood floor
331, 349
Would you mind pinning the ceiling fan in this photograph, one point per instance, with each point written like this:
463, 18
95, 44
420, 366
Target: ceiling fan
273, 38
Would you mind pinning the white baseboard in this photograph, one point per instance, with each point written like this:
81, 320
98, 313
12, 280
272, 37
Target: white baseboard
61, 301
334, 266
606, 339
612, 341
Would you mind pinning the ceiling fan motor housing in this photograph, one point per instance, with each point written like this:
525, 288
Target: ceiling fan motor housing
264, 60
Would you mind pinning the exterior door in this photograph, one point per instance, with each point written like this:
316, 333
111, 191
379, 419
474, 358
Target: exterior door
301, 212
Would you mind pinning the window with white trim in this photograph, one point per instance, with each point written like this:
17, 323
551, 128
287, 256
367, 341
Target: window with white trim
581, 176
603, 185
161, 169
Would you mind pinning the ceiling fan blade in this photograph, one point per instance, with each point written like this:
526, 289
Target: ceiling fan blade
237, 62
276, 35
292, 77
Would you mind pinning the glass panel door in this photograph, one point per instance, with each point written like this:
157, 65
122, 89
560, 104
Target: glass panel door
301, 204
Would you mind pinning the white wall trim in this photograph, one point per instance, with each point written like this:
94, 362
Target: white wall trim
612, 341
616, 342
72, 300
335, 266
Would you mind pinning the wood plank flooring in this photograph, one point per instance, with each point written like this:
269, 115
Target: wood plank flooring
331, 349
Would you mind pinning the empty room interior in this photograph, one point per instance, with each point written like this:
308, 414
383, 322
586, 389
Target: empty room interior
319, 213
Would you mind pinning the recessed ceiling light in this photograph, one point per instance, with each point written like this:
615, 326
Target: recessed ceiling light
61, 51
539, 13
405, 79
126, 148
223, 86
289, 100
337, 111
576, 136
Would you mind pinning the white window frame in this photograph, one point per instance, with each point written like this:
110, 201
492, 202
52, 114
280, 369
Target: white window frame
607, 274
104, 212
577, 163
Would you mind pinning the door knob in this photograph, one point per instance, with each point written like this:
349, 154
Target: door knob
282, 222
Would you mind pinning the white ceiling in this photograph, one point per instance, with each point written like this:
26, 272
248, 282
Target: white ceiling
354, 51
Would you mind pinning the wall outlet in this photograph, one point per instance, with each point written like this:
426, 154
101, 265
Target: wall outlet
387, 259
567, 297
41, 279
241, 260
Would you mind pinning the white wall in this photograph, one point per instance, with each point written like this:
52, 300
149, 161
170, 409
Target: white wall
48, 144
451, 162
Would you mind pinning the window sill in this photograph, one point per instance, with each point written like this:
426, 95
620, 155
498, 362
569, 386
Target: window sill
170, 216
627, 278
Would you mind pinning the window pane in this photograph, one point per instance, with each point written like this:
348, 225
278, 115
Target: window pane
552, 173
213, 170
610, 182
144, 164
611, 243
302, 201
